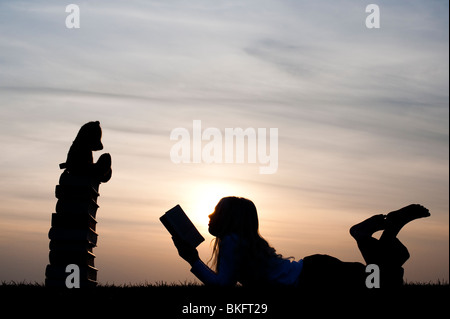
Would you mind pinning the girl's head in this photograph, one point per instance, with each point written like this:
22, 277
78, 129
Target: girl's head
234, 215
238, 216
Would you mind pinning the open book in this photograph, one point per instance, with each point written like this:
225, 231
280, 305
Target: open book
179, 225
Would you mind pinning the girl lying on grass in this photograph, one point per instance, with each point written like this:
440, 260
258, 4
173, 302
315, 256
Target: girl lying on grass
241, 254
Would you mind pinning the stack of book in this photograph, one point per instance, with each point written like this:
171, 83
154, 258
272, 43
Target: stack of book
72, 234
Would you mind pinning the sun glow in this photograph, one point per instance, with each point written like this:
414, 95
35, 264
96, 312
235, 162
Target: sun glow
202, 201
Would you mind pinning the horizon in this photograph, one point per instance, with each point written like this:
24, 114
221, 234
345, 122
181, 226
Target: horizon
361, 114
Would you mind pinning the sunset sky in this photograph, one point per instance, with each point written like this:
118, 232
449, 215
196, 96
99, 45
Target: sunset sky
362, 117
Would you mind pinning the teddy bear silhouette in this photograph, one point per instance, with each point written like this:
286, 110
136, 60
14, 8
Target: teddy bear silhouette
80, 160
73, 228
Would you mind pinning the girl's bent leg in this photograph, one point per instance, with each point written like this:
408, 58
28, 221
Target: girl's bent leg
388, 255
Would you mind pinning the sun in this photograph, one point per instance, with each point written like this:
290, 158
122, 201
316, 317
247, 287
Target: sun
202, 201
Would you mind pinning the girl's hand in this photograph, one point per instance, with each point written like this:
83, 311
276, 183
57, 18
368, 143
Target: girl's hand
186, 251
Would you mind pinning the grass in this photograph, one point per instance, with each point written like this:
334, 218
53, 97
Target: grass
439, 285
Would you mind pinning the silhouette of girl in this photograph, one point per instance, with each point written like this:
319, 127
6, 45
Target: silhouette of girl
241, 254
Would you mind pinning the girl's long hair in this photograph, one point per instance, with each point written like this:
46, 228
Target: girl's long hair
237, 215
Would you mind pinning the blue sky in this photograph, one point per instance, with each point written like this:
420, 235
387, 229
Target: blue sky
362, 116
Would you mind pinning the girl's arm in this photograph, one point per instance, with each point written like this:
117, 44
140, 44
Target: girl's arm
226, 274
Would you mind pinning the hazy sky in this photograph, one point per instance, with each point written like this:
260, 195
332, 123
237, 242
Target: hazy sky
362, 117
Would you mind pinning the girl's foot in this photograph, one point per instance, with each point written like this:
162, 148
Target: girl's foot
397, 219
368, 227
